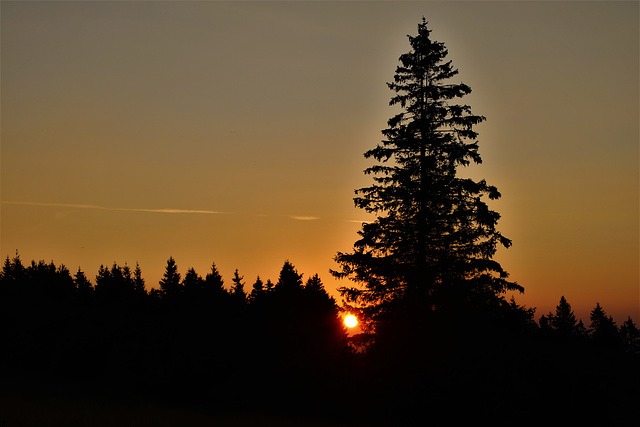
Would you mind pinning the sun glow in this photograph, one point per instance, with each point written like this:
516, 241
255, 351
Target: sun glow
350, 321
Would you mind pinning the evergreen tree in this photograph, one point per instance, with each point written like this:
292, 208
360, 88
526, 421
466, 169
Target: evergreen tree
49, 281
237, 288
630, 336
83, 285
268, 286
138, 281
6, 285
127, 281
116, 284
39, 275
316, 296
434, 237
13, 276
257, 290
213, 283
564, 321
314, 284
289, 280
103, 280
170, 286
193, 284
545, 322
604, 331
581, 330
64, 284
518, 318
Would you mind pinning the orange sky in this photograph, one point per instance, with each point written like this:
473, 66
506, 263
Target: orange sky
233, 132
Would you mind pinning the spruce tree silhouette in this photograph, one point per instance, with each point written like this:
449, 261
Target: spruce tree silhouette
214, 290
13, 278
268, 287
115, 285
237, 289
257, 290
49, 281
603, 329
564, 321
630, 336
83, 286
193, 285
432, 243
138, 282
315, 285
289, 281
545, 323
581, 330
170, 285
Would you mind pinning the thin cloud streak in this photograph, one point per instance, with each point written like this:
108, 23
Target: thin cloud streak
304, 218
166, 211
173, 211
104, 208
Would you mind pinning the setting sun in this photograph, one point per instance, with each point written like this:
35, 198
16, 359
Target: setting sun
350, 321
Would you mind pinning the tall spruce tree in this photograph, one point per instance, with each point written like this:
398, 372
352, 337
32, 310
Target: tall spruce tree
434, 237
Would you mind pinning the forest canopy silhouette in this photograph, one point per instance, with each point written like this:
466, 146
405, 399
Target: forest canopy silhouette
439, 340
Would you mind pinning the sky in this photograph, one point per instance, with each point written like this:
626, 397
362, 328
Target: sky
233, 132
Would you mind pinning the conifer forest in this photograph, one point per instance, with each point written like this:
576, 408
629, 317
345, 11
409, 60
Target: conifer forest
437, 340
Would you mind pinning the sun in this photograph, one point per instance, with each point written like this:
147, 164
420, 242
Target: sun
350, 321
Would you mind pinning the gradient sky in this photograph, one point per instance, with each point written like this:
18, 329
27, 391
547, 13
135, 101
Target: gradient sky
233, 132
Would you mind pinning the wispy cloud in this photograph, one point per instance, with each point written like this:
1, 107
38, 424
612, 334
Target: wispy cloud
168, 211
303, 218
174, 211
104, 208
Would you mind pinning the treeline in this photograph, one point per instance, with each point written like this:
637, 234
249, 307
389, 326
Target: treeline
281, 347
190, 340
602, 332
